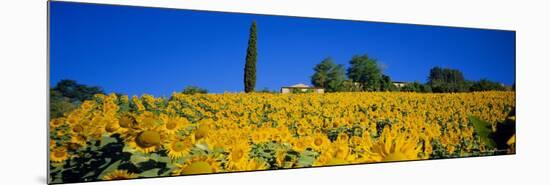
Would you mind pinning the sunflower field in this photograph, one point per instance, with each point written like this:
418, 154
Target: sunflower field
119, 137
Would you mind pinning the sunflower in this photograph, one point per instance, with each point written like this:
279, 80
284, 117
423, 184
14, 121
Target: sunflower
340, 150
393, 146
255, 164
283, 134
214, 142
87, 105
302, 130
61, 132
59, 154
337, 153
197, 165
363, 150
355, 141
337, 161
174, 124
300, 144
342, 138
179, 147
78, 139
319, 142
52, 144
127, 121
54, 123
280, 156
127, 126
110, 107
119, 175
238, 156
203, 129
148, 121
77, 129
73, 119
112, 125
512, 144
97, 121
147, 141
260, 136
324, 159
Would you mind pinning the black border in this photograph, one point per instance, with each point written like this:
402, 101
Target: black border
260, 14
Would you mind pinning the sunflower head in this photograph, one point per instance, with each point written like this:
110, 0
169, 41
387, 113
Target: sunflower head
54, 123
112, 125
202, 131
178, 148
52, 143
197, 165
73, 146
79, 139
127, 121
395, 145
300, 144
341, 151
239, 152
174, 124
254, 164
395, 156
337, 161
343, 137
77, 128
148, 121
58, 155
319, 141
119, 175
171, 125
148, 138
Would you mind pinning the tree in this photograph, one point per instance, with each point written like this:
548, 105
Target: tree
350, 86
266, 90
68, 94
386, 84
194, 90
366, 71
416, 87
251, 57
328, 75
412, 87
447, 80
487, 85
75, 91
59, 104
425, 88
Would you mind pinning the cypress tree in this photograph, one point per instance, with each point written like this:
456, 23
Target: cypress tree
251, 57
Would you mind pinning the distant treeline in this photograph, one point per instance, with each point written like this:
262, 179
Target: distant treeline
68, 94
365, 74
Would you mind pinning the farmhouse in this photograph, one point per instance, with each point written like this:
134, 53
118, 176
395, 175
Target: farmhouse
301, 88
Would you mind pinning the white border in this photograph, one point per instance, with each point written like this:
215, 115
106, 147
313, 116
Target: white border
23, 82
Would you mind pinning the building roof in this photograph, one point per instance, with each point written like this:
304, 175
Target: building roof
401, 82
301, 86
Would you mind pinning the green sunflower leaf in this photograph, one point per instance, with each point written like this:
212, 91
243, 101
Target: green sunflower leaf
105, 140
483, 130
137, 158
111, 168
306, 158
150, 173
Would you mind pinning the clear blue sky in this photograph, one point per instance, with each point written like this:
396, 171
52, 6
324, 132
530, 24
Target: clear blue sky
135, 50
